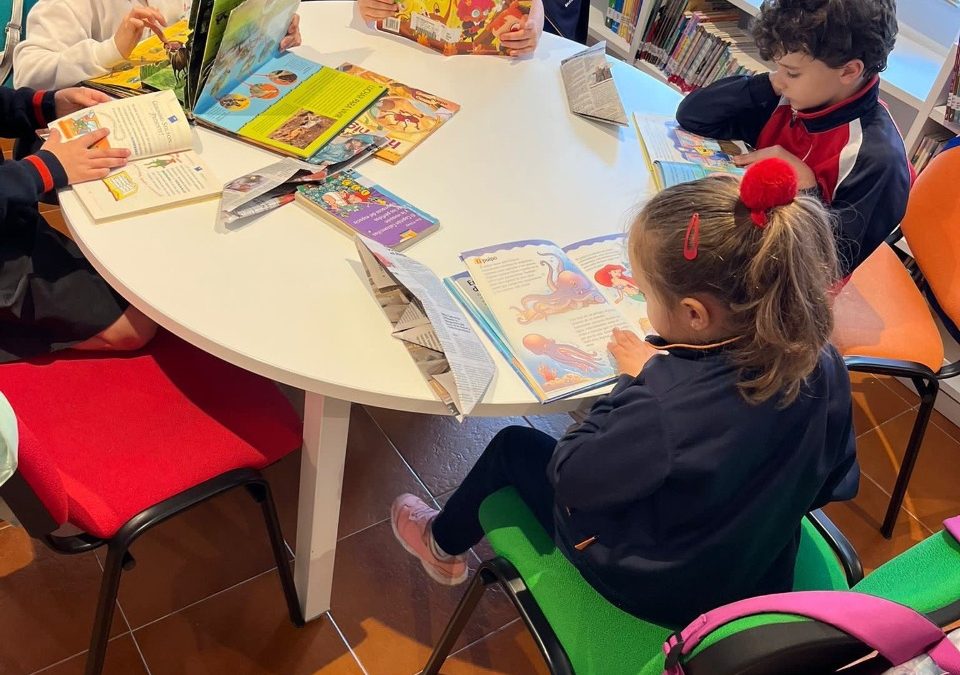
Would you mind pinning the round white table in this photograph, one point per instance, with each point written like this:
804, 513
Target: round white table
285, 296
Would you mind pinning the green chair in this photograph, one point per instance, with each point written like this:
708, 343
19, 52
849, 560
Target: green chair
578, 631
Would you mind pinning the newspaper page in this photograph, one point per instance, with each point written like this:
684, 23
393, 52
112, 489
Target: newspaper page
434, 330
591, 90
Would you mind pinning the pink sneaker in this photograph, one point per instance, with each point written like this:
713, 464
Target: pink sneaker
411, 518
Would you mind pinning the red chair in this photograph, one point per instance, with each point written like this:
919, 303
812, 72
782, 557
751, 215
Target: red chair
115, 444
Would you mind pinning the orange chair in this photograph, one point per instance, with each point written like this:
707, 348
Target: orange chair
883, 321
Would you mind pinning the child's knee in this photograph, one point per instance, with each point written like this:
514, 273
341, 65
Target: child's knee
132, 331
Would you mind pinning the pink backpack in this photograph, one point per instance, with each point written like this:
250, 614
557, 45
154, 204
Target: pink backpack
898, 633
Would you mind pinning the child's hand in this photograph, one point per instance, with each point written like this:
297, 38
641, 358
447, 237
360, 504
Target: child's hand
522, 39
131, 28
71, 100
292, 38
80, 160
629, 351
371, 10
805, 177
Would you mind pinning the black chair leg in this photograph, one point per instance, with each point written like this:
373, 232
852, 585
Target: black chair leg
106, 603
260, 490
468, 603
928, 390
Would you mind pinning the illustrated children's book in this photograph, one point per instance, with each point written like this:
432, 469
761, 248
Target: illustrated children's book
677, 156
591, 90
163, 169
550, 311
357, 205
457, 26
405, 115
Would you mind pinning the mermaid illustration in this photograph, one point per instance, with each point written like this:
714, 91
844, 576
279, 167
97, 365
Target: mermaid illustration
616, 277
562, 354
568, 291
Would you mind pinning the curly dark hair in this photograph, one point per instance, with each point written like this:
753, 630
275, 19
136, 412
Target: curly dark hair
832, 31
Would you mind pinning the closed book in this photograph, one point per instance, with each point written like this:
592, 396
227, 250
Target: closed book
357, 205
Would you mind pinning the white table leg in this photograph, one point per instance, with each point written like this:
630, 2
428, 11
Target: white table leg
325, 424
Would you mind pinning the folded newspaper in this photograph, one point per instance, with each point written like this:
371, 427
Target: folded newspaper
438, 336
591, 91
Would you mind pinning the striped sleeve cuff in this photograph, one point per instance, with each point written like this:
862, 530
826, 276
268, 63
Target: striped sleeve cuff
43, 108
49, 173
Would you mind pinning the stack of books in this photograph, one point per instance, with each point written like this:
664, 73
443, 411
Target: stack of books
622, 17
953, 91
929, 146
696, 42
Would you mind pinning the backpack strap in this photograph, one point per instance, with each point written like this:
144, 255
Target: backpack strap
897, 632
13, 29
952, 525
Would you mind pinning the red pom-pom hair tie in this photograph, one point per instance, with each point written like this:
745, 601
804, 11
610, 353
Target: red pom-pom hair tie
767, 184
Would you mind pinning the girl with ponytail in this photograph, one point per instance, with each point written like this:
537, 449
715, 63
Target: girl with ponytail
684, 488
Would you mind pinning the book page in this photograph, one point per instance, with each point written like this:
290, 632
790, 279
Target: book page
148, 125
456, 26
552, 316
146, 61
250, 38
149, 184
665, 141
604, 261
470, 365
290, 104
591, 90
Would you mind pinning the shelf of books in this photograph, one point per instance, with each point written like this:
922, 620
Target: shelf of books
939, 115
599, 29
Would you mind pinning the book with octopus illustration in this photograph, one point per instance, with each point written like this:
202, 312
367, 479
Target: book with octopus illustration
550, 311
457, 26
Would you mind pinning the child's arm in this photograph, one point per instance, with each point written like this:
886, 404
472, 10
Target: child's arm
617, 455
734, 108
22, 182
24, 110
59, 50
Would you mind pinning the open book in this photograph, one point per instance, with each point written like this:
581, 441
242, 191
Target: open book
551, 311
231, 77
457, 26
677, 156
591, 91
163, 169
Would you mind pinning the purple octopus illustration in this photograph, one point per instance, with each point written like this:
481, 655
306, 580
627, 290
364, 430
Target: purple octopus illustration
562, 354
569, 290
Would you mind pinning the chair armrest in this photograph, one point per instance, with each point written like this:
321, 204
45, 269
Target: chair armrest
840, 545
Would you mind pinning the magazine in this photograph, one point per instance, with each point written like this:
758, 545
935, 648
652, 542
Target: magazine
550, 311
457, 26
357, 205
591, 90
448, 353
163, 169
405, 115
676, 156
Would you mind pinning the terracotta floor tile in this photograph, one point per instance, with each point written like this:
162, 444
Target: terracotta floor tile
47, 602
510, 651
555, 425
207, 549
932, 494
391, 612
438, 448
873, 402
860, 518
907, 393
945, 425
122, 659
244, 630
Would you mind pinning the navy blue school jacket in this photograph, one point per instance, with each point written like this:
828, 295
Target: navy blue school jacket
676, 496
853, 148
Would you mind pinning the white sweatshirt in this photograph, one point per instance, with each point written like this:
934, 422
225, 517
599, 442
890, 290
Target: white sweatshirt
72, 40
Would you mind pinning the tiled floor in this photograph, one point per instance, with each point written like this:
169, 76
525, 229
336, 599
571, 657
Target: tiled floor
205, 599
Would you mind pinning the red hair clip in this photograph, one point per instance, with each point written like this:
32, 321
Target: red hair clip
691, 240
767, 184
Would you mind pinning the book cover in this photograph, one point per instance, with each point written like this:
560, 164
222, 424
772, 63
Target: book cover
457, 26
357, 205
675, 155
405, 115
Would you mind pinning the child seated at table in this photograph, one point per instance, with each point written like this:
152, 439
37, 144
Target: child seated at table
685, 486
51, 298
520, 41
820, 111
69, 41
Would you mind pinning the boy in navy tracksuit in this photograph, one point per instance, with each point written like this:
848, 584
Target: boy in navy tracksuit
50, 296
685, 487
820, 111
